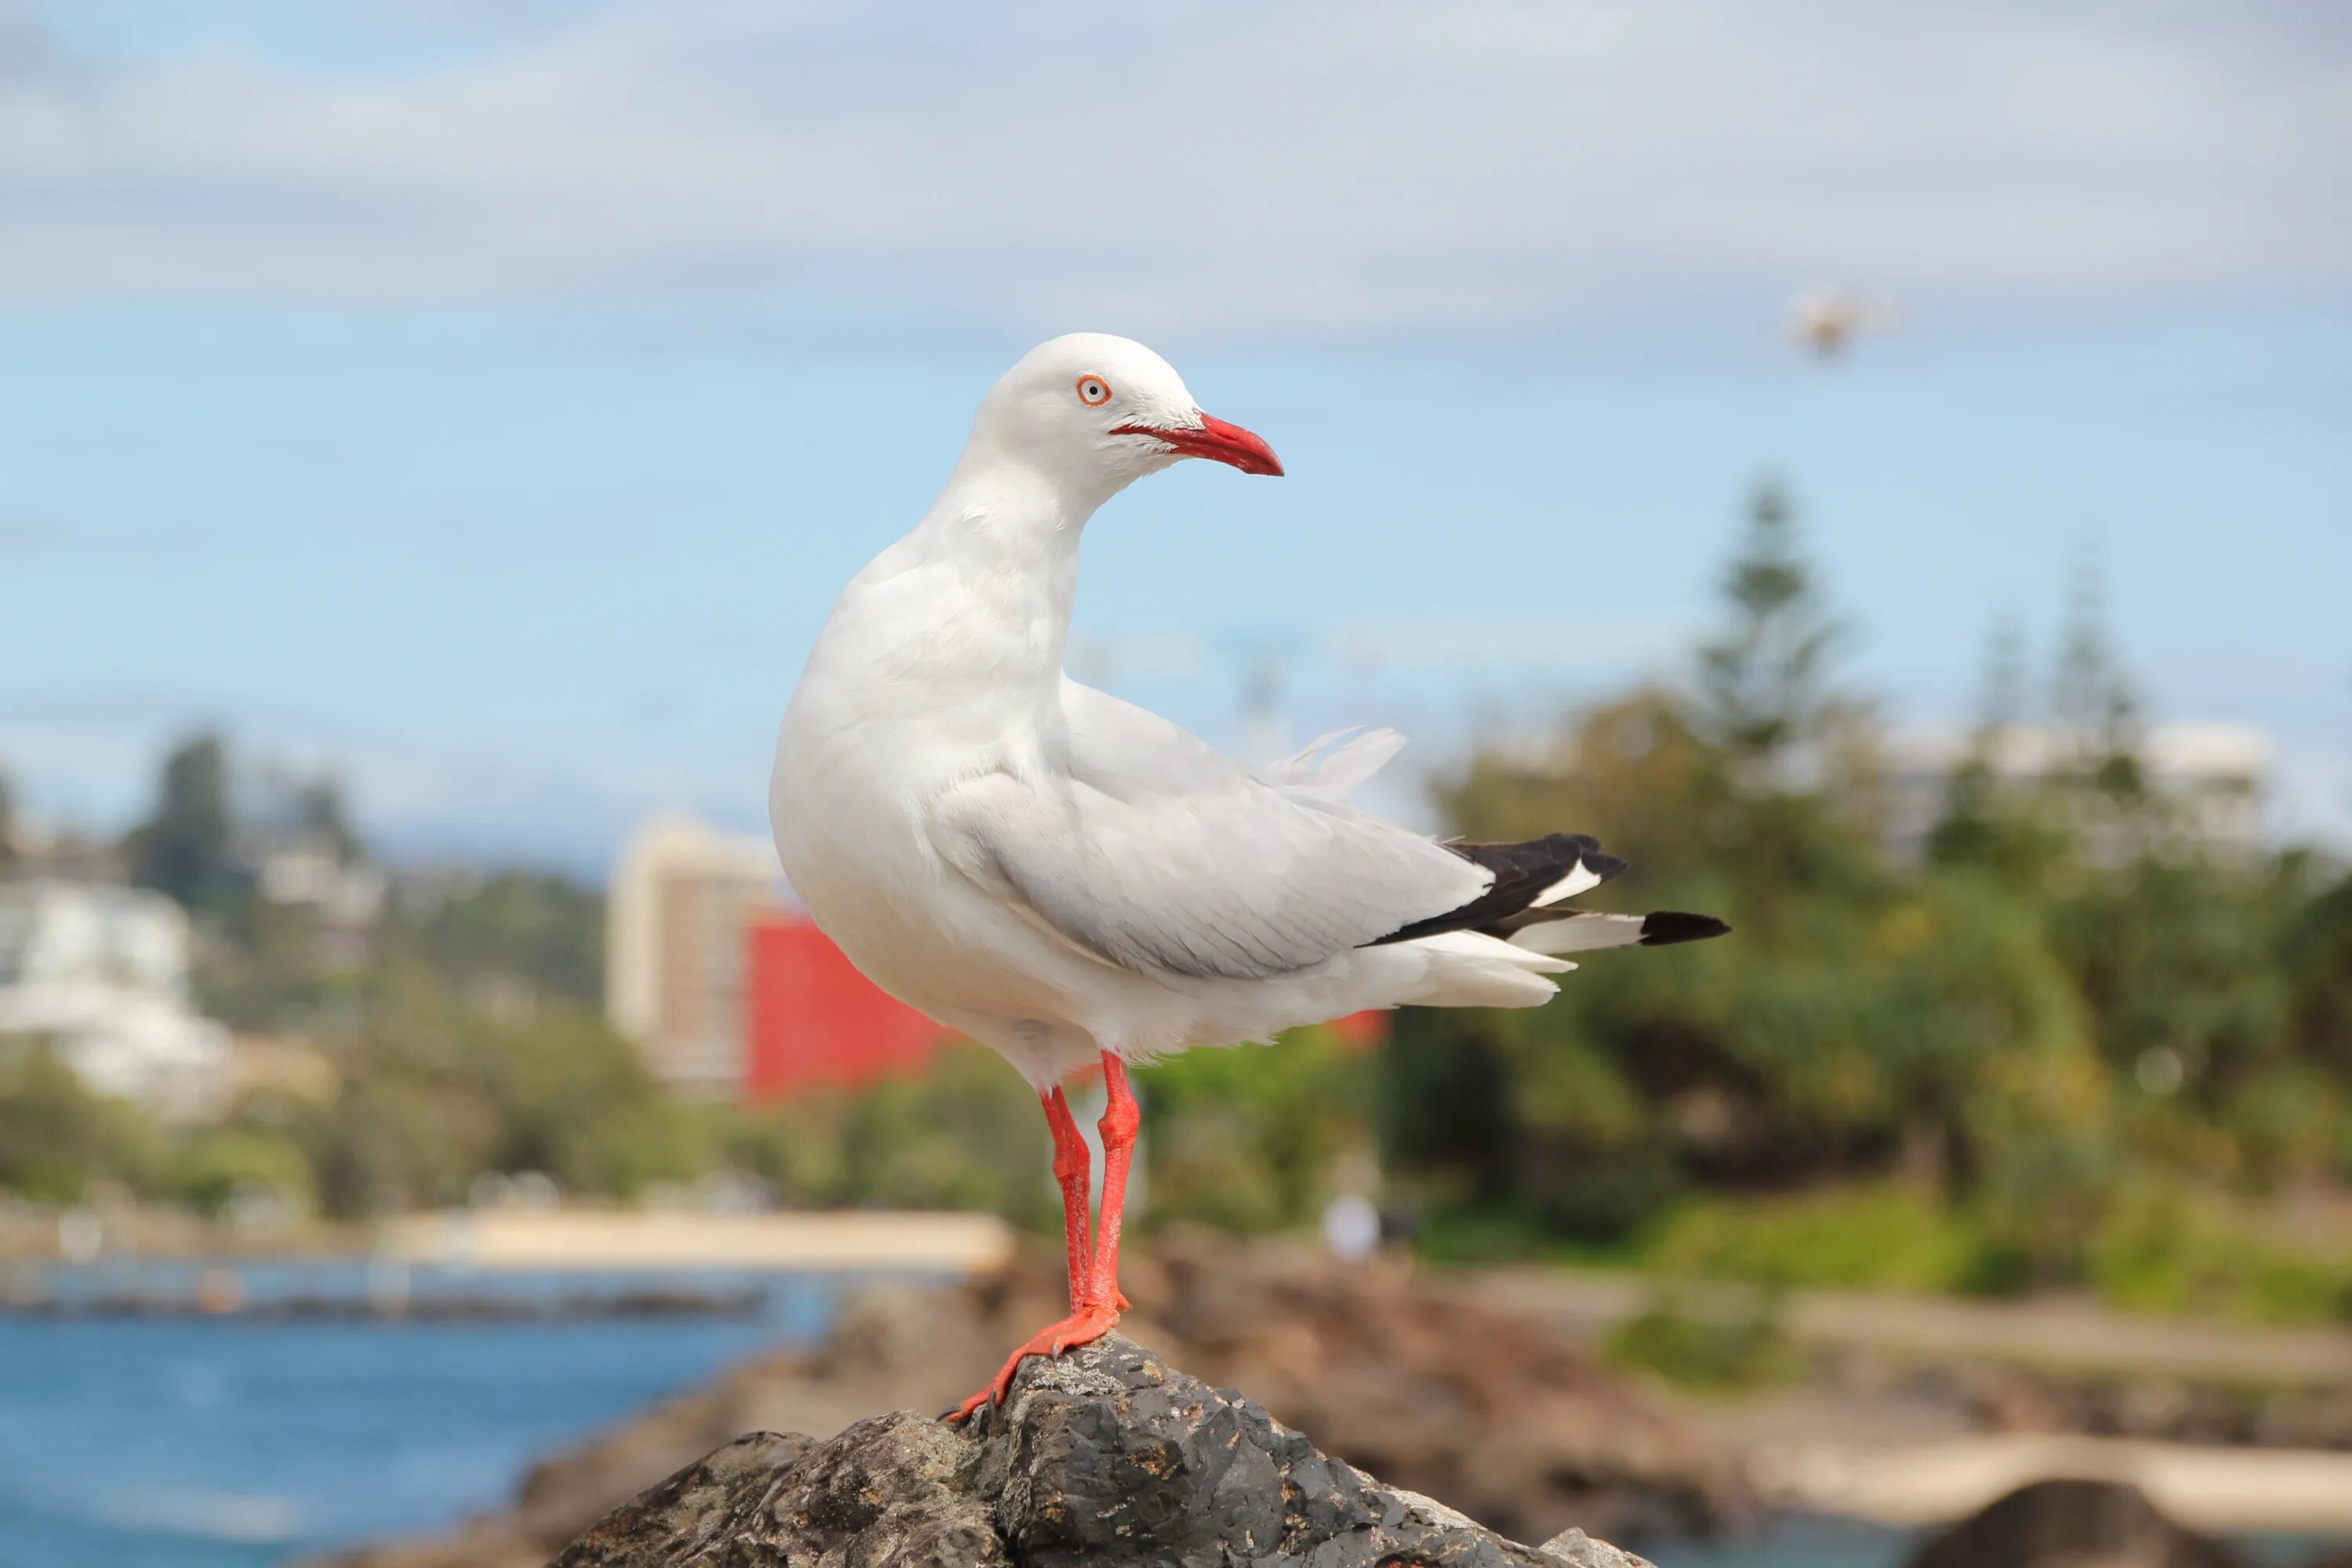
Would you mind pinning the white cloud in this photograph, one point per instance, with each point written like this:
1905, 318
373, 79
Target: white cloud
1216, 167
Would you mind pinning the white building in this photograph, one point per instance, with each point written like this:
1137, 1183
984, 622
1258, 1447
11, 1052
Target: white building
102, 974
681, 898
2214, 777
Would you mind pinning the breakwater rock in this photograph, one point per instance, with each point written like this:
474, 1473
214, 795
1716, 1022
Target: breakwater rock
1106, 1456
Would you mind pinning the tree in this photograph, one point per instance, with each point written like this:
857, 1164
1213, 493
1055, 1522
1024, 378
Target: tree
56, 1137
1989, 820
2092, 704
187, 849
2000, 694
1763, 683
318, 808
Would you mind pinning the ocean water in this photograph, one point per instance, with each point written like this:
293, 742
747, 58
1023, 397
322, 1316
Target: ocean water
135, 1442
237, 1445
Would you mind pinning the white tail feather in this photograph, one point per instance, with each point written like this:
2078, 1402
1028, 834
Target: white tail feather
1579, 933
1470, 969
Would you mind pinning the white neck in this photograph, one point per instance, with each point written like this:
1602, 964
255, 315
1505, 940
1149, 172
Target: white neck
1009, 531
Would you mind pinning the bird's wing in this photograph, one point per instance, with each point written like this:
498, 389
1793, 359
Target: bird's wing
1149, 849
1335, 763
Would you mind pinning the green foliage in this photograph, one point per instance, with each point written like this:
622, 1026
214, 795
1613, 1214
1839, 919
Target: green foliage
1763, 681
544, 931
2163, 1248
1878, 1236
966, 1134
188, 847
217, 1164
266, 966
434, 1093
1711, 1346
1249, 1139
57, 1140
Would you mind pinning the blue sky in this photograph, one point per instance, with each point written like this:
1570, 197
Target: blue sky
486, 398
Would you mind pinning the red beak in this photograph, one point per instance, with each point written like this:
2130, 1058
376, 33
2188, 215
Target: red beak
1216, 441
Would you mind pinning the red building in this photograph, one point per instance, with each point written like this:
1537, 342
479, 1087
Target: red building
810, 1019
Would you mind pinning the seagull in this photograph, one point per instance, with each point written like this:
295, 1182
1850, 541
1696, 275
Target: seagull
1072, 879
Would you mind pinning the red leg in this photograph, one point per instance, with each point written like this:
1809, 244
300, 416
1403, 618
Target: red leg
1070, 1169
1120, 1118
1096, 1301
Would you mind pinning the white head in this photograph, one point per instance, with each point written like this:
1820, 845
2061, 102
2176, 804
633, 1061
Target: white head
1095, 412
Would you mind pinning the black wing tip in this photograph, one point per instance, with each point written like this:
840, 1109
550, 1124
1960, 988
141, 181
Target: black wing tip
1524, 870
1666, 927
1575, 850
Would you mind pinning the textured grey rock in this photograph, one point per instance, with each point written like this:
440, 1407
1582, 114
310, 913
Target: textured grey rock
1575, 1547
1106, 1456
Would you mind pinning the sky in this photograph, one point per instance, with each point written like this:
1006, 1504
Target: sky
484, 399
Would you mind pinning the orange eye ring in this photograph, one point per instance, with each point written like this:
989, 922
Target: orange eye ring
1093, 391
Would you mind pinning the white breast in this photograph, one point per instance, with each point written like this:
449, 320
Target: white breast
904, 696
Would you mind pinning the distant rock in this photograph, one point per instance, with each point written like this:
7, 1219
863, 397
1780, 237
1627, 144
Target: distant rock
2073, 1524
1106, 1457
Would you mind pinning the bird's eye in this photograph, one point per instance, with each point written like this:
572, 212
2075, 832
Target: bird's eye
1093, 391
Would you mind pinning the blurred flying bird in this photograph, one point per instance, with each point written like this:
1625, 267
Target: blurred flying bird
1071, 879
1826, 319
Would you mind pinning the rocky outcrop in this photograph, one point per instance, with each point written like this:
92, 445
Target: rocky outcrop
2071, 1524
1106, 1457
1504, 1417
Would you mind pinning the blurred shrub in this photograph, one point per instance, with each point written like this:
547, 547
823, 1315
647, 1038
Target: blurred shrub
1714, 1345
217, 1164
2166, 1248
1249, 1139
1880, 1236
967, 1135
57, 1139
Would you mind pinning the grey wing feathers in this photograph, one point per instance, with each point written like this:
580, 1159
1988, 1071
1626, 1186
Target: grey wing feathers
1159, 854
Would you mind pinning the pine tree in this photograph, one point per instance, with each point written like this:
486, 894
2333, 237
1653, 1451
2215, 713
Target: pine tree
1764, 683
187, 849
2001, 691
2093, 708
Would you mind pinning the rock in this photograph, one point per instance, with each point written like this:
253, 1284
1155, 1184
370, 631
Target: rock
1105, 1456
1575, 1547
1511, 1419
2073, 1524
1505, 1418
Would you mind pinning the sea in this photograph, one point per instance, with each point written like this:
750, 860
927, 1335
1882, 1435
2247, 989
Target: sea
132, 1441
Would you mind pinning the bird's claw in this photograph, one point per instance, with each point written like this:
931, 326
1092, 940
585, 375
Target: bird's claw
1085, 1326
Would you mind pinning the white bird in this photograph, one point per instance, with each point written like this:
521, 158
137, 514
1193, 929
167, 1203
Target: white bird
1071, 879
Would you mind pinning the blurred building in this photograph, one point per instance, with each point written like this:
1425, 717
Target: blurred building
311, 870
2211, 777
812, 1020
102, 974
682, 897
